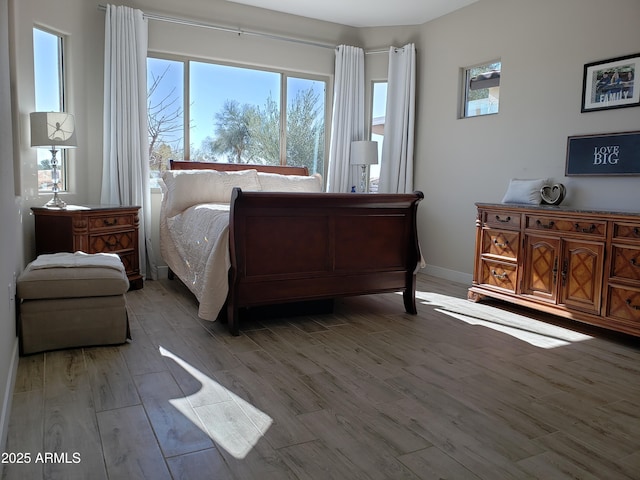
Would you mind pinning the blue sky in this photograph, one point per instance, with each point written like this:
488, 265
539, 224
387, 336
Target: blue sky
45, 47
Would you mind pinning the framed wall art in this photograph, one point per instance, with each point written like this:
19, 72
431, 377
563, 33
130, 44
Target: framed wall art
611, 84
606, 154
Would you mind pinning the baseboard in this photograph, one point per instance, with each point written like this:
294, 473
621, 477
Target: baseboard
5, 411
445, 273
163, 271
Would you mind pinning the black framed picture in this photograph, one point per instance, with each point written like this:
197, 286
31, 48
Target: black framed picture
611, 84
605, 154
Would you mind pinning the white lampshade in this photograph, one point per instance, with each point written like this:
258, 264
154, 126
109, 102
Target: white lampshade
53, 130
364, 152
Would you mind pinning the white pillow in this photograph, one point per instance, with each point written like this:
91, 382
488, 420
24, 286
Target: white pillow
274, 182
185, 188
524, 191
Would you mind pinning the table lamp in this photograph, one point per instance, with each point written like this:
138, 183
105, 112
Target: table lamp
54, 130
364, 153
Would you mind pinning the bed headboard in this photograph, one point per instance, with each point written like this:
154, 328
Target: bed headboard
225, 167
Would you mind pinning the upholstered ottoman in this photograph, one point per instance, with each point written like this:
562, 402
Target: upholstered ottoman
72, 300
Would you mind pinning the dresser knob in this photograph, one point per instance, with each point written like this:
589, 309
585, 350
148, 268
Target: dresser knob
547, 225
635, 307
498, 275
591, 229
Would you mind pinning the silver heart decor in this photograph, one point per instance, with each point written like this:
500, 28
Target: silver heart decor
553, 194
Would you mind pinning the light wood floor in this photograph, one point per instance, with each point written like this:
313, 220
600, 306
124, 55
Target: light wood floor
461, 391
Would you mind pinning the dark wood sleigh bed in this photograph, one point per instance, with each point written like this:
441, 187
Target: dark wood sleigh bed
291, 247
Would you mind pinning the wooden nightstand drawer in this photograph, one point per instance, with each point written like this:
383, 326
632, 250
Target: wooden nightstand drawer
112, 242
596, 228
501, 243
110, 222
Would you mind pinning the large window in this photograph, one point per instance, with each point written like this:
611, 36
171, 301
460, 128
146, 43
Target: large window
49, 97
203, 111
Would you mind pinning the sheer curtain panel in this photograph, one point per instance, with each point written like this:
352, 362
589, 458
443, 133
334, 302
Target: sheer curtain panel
125, 168
348, 117
396, 167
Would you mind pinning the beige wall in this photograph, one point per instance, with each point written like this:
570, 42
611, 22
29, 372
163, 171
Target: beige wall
543, 46
10, 236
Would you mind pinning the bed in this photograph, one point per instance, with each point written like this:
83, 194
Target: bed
241, 236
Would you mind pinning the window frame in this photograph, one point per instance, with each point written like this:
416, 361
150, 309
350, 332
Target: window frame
62, 155
373, 173
466, 77
285, 74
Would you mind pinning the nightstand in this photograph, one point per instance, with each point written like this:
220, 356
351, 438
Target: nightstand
91, 229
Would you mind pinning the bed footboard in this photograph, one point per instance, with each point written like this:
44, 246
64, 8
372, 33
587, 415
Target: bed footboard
288, 247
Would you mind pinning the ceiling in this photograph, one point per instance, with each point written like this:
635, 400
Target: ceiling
364, 13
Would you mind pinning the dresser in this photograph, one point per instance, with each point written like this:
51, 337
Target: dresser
91, 229
579, 264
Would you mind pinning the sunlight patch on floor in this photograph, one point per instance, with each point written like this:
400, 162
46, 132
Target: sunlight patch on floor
234, 425
532, 331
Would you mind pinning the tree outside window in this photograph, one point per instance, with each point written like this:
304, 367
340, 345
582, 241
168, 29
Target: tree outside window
235, 115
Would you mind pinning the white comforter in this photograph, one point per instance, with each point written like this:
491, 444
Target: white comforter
200, 237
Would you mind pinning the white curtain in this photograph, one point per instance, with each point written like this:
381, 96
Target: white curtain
125, 167
348, 117
396, 166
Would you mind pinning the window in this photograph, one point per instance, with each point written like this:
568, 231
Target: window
305, 123
481, 89
378, 115
204, 111
165, 111
49, 97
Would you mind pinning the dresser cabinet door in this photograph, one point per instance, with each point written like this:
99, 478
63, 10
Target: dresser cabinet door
581, 275
540, 272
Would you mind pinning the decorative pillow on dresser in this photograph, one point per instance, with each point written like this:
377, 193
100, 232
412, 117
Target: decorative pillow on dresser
524, 191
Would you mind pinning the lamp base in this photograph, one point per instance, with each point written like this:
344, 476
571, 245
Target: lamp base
56, 202
363, 179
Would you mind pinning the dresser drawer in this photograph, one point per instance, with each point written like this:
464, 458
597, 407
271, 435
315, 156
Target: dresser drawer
624, 304
626, 231
110, 222
625, 263
595, 228
499, 274
112, 242
499, 219
502, 243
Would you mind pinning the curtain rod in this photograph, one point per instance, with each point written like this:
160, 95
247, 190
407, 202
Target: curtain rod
223, 28
238, 31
